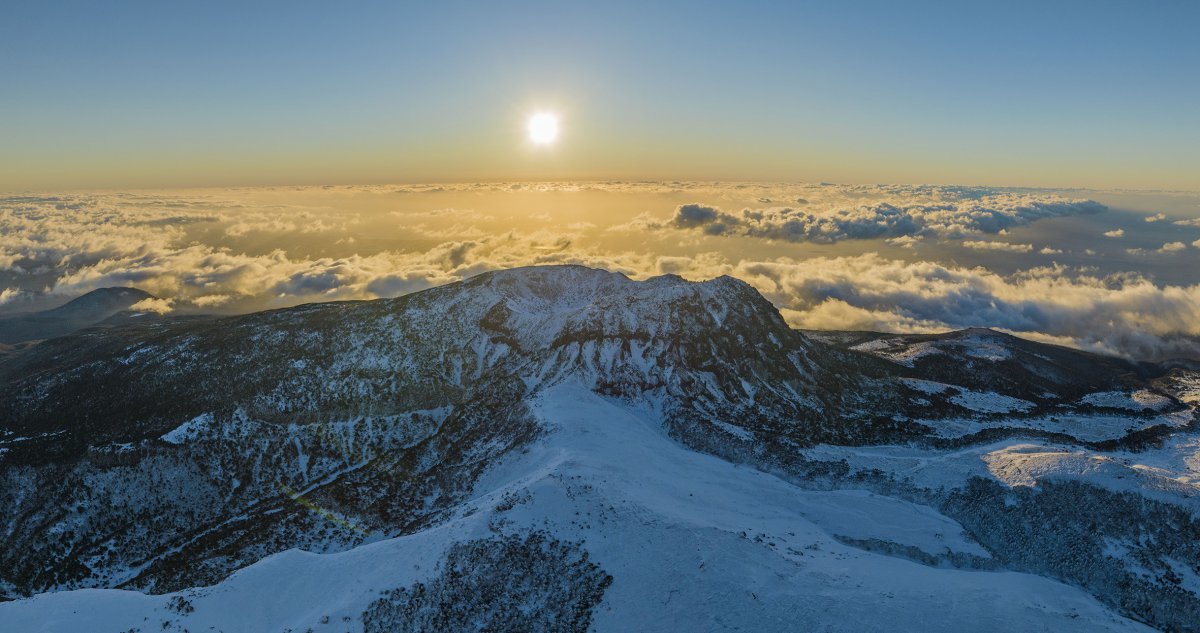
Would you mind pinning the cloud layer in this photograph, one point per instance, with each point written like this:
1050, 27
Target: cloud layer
236, 251
1124, 314
907, 213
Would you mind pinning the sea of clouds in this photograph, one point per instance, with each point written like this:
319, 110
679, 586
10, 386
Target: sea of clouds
241, 250
992, 214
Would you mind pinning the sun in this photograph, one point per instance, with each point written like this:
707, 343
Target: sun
543, 128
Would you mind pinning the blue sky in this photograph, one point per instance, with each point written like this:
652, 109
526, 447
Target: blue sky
1099, 94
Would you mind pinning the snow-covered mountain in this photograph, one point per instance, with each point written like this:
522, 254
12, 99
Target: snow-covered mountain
565, 448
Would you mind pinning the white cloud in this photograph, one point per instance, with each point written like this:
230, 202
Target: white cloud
904, 241
879, 214
1126, 314
64, 231
8, 295
1115, 233
161, 306
1172, 247
1156, 217
209, 277
986, 245
275, 223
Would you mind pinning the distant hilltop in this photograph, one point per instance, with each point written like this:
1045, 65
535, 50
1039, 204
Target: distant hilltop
80, 312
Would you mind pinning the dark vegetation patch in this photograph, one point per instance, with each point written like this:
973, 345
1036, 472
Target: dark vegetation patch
529, 584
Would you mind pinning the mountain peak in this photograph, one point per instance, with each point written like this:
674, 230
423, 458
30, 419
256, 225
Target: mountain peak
538, 305
102, 300
83, 311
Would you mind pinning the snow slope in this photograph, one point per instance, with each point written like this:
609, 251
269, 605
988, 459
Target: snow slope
692, 542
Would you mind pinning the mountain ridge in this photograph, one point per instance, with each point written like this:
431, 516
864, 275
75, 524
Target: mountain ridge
167, 456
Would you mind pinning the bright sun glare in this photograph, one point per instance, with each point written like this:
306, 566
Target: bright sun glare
543, 128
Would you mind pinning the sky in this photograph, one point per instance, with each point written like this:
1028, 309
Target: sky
196, 94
